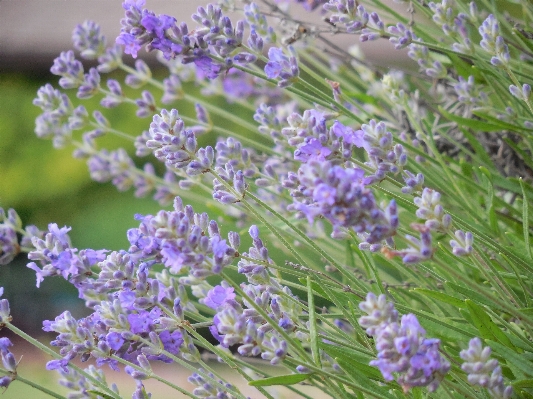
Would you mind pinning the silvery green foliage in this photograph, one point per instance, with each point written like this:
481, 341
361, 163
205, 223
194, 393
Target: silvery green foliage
360, 193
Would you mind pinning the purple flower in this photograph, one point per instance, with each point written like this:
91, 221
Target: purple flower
325, 194
312, 150
143, 321
57, 364
348, 13
183, 241
430, 209
5, 343
70, 70
130, 44
174, 258
60, 234
277, 60
384, 156
339, 195
206, 389
311, 5
157, 26
281, 66
493, 43
211, 69
218, 296
171, 341
140, 27
403, 351
5, 381
5, 311
114, 340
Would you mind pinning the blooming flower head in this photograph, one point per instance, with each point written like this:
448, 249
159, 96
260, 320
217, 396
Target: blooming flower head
218, 296
282, 66
404, 353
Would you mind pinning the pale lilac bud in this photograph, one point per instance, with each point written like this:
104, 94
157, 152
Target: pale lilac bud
484, 371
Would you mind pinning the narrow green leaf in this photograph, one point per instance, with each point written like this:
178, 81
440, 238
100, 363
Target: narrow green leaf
103, 395
503, 125
442, 297
525, 217
364, 98
446, 329
474, 295
478, 148
512, 359
516, 242
521, 343
340, 302
523, 383
359, 361
312, 322
417, 393
462, 67
440, 326
471, 123
487, 328
289, 379
489, 201
525, 157
366, 386
522, 280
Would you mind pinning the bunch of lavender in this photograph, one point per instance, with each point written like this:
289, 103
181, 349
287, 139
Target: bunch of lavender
349, 179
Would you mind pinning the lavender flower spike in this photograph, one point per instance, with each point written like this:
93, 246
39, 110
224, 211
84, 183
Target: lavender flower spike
484, 371
404, 353
493, 43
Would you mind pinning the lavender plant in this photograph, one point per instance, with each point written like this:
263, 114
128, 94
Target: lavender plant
383, 213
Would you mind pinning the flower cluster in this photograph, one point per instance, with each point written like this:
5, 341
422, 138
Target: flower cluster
339, 195
244, 323
404, 351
